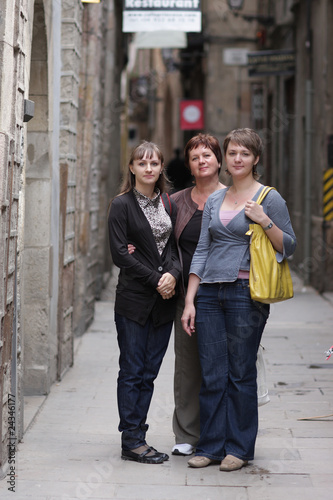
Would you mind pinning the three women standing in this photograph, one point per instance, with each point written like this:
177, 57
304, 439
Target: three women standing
145, 303
218, 306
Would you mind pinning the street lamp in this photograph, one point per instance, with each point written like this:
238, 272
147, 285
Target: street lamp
235, 4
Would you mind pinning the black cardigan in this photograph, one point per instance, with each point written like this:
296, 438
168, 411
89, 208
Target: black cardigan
136, 294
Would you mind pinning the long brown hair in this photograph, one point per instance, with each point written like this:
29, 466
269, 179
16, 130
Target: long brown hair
147, 149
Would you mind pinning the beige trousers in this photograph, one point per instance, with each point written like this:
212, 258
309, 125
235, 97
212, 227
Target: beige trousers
187, 382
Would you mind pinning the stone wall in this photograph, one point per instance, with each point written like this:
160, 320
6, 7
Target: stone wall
40, 364
13, 52
98, 155
292, 161
58, 173
71, 42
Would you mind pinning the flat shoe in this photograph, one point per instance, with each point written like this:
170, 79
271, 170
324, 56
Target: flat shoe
163, 455
199, 462
230, 463
183, 449
157, 458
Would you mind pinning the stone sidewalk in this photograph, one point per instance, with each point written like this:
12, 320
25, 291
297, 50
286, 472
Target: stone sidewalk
71, 449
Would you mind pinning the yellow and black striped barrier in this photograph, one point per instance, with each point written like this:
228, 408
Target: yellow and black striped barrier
328, 194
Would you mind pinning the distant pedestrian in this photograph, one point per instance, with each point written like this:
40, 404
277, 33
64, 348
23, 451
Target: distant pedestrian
178, 174
203, 159
229, 324
141, 215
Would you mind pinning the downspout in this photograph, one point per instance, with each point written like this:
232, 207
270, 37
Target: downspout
14, 358
308, 149
324, 271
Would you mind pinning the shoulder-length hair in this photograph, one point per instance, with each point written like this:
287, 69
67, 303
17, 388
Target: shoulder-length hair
144, 149
206, 140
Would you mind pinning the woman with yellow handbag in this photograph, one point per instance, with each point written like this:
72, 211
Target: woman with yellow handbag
228, 322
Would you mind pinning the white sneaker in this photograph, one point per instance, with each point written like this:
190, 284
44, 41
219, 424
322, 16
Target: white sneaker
183, 449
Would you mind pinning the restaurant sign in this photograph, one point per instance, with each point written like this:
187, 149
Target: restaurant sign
164, 15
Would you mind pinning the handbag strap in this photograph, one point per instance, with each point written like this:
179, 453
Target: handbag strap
170, 206
263, 193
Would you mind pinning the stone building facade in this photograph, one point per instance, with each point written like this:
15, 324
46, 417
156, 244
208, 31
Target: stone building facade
58, 171
311, 148
298, 128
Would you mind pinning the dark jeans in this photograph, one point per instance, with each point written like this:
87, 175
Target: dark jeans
229, 326
142, 349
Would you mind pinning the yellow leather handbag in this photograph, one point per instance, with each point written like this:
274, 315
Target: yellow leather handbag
270, 281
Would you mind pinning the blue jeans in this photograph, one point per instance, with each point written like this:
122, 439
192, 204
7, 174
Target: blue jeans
229, 326
142, 349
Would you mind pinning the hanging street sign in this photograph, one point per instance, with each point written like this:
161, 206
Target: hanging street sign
235, 57
160, 39
271, 62
161, 15
191, 114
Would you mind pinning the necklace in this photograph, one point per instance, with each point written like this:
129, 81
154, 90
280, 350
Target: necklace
235, 201
241, 200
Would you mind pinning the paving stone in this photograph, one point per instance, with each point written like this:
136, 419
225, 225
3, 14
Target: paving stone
71, 449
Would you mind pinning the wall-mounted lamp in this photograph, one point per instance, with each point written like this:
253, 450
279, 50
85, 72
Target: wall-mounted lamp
29, 110
235, 4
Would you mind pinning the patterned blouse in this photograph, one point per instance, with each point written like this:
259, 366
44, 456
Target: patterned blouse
157, 217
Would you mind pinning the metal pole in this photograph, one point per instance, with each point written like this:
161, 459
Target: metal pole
307, 187
276, 129
308, 151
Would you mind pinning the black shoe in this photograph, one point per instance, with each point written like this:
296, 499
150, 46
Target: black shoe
164, 455
157, 458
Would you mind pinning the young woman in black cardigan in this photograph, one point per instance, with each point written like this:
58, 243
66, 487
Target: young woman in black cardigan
142, 216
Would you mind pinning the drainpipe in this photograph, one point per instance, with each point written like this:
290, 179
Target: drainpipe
13, 388
308, 149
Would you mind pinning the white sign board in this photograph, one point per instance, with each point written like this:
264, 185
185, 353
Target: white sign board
164, 15
160, 39
235, 57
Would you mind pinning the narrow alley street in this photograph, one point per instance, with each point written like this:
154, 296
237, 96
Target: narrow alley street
82, 84
71, 449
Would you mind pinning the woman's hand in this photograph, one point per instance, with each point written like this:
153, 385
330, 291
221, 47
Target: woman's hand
131, 248
166, 286
256, 213
188, 319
